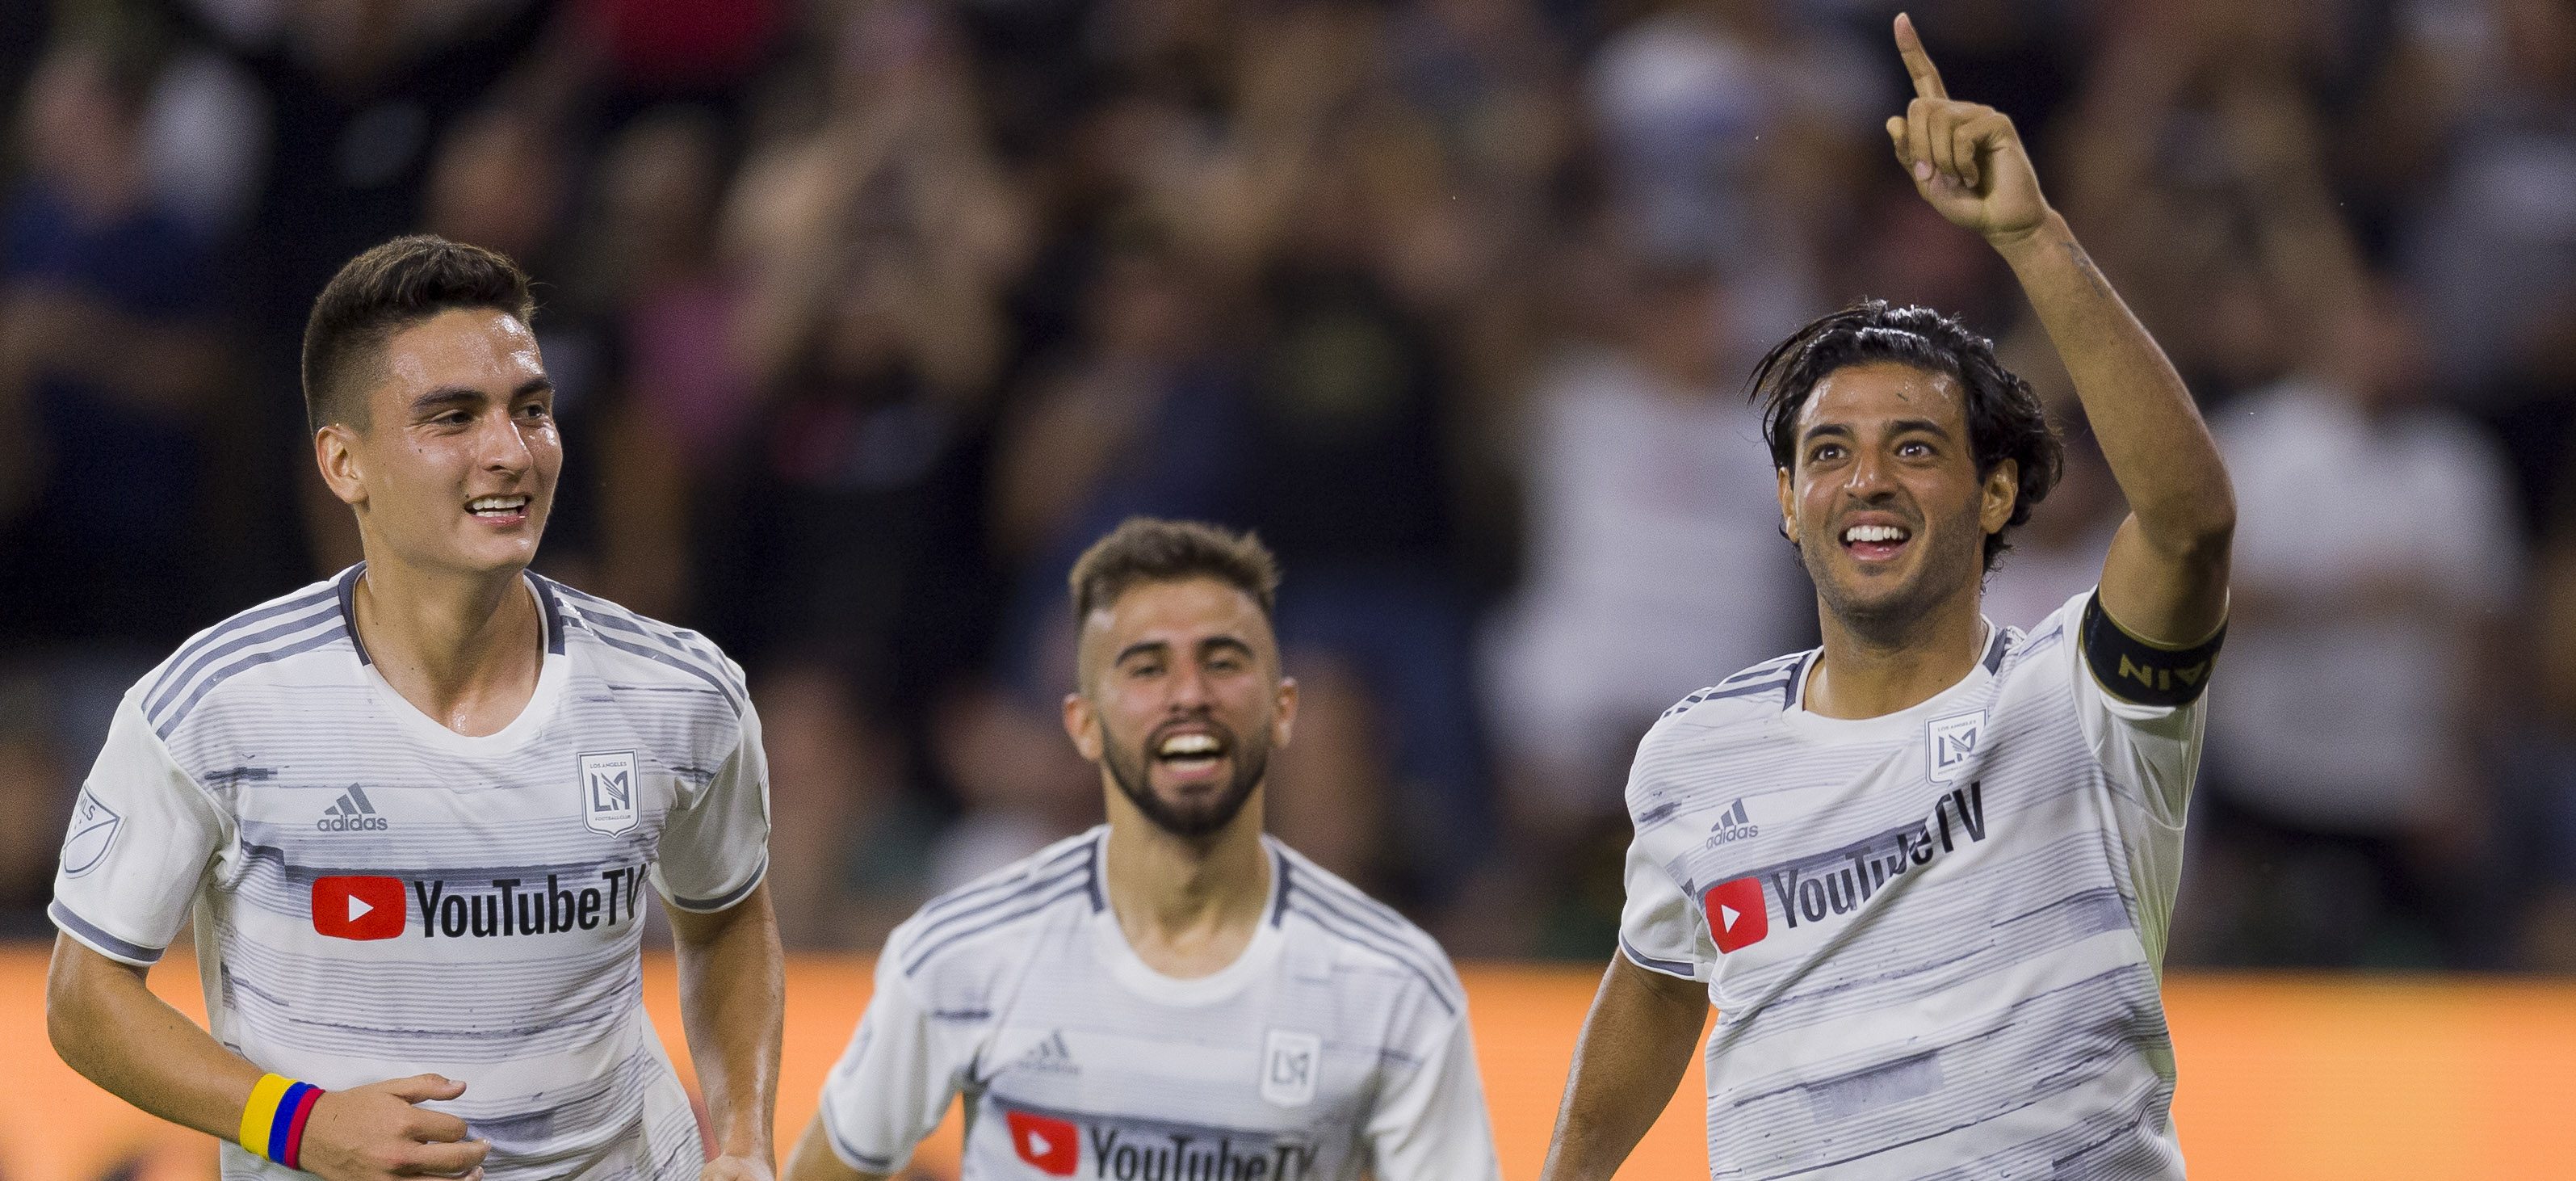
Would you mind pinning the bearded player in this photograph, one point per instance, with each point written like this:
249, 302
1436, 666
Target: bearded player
1172, 994
414, 811
1924, 872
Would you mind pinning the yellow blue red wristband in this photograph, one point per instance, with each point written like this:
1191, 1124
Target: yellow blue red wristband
273, 1121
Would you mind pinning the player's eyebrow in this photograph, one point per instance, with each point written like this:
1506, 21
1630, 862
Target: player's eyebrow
1227, 643
1141, 648
1907, 426
445, 398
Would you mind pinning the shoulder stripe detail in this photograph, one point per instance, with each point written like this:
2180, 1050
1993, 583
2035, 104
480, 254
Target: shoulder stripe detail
1334, 924
1381, 916
229, 627
1400, 940
1764, 669
236, 640
169, 723
1995, 650
1021, 889
971, 896
1752, 689
548, 602
926, 954
106, 944
1651, 964
602, 611
726, 900
659, 657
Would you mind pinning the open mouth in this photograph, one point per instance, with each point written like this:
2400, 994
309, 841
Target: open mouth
499, 510
1875, 542
1190, 754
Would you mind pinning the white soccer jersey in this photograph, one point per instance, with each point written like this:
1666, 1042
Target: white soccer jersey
1335, 1045
1933, 938
377, 896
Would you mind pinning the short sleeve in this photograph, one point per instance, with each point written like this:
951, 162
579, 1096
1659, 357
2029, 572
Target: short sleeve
142, 836
1430, 1120
715, 847
1659, 929
895, 1080
2143, 705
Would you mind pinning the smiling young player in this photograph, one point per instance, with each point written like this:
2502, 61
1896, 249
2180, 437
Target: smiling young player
1924, 872
1172, 994
413, 810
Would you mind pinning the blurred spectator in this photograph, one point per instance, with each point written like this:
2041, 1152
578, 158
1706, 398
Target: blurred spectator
2058, 554
2374, 551
108, 361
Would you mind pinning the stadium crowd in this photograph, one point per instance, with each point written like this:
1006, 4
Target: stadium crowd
868, 315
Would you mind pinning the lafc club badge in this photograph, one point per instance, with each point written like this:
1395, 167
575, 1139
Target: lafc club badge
1289, 1064
1953, 743
608, 791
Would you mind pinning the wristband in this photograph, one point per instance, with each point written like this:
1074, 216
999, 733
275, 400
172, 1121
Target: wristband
272, 1126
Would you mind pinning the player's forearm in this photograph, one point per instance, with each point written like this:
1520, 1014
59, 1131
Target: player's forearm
1636, 1044
732, 1005
107, 1024
2153, 437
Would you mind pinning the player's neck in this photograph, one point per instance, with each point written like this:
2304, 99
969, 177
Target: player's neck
1187, 906
465, 650
1868, 673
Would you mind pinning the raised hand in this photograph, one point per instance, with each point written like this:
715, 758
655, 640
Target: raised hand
379, 1130
1965, 158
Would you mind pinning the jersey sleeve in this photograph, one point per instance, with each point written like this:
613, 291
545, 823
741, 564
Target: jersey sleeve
715, 847
1659, 926
1430, 1119
2143, 704
142, 836
894, 1082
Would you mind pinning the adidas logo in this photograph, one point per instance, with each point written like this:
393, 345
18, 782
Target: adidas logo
1050, 1055
1732, 826
351, 813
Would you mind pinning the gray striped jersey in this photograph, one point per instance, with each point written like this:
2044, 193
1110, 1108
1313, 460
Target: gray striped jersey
1933, 938
1335, 1045
377, 896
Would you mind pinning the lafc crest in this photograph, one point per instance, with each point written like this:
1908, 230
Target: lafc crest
608, 787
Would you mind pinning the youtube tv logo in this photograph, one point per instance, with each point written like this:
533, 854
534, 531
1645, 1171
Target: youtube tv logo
1050, 1145
358, 907
1736, 917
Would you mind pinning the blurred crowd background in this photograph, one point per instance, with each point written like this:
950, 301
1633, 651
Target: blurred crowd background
868, 315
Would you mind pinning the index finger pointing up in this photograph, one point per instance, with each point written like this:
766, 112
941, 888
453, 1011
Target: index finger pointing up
1927, 78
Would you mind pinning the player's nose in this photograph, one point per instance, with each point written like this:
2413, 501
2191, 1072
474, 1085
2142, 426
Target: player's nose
501, 447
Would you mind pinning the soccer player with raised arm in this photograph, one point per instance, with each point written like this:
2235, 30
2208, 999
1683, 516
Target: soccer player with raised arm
1172, 994
1924, 872
414, 811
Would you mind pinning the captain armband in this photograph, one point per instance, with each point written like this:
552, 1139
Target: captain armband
2144, 673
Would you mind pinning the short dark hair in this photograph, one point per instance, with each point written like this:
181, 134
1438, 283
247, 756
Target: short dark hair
1146, 549
2005, 417
386, 290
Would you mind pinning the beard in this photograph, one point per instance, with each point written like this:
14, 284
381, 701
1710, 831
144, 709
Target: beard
1128, 768
1886, 615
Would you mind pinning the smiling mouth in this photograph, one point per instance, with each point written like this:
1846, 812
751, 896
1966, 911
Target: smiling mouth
1190, 753
1875, 543
498, 509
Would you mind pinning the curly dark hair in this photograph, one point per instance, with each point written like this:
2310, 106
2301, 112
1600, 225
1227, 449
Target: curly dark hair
2005, 418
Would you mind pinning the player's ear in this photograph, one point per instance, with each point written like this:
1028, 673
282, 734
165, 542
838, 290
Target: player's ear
335, 452
1788, 505
2001, 491
1082, 724
1283, 718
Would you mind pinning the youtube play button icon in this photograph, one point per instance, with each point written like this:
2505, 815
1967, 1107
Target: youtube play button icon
1052, 1145
1736, 917
358, 907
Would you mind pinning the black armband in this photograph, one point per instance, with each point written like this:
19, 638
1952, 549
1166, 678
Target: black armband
2142, 672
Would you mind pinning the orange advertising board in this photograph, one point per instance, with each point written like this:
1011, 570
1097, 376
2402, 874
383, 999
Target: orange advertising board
2282, 1078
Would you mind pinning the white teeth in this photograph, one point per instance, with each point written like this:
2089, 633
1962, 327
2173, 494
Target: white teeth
1188, 744
1874, 533
494, 504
